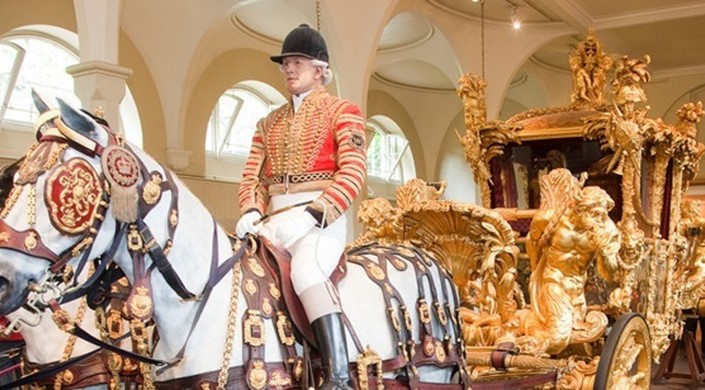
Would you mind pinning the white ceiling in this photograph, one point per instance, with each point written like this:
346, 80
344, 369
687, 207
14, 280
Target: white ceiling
670, 31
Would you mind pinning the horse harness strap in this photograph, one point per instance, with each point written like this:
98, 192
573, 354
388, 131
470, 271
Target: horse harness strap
48, 372
431, 350
209, 380
83, 373
265, 301
143, 240
29, 242
216, 274
62, 320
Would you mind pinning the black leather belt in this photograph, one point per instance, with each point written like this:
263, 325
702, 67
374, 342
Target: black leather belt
299, 178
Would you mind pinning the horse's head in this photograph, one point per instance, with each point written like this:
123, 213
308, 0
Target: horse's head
57, 214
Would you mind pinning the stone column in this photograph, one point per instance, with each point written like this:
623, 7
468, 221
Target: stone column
99, 80
101, 86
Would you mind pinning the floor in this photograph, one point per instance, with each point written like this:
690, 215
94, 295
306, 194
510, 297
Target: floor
681, 366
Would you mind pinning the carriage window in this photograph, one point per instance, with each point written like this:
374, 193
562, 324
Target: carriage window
39, 62
389, 156
235, 115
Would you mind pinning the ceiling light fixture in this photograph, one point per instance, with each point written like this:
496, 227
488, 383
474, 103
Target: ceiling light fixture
513, 16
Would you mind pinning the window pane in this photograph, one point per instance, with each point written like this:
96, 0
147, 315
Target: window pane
44, 68
10, 61
385, 153
233, 122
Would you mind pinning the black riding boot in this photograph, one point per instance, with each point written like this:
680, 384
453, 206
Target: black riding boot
330, 334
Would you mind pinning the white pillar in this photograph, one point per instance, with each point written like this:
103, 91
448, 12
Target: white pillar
99, 82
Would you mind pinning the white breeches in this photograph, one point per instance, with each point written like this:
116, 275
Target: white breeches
315, 255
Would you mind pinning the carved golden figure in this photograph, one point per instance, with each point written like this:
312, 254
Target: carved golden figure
589, 65
483, 140
693, 227
562, 243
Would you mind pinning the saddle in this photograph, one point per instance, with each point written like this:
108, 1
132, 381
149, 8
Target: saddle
279, 262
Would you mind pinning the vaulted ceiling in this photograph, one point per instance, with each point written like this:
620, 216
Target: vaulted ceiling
668, 30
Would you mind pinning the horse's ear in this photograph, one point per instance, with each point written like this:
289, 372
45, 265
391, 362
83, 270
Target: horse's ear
76, 120
41, 105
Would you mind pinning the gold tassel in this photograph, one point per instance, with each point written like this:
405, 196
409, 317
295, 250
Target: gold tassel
124, 203
123, 173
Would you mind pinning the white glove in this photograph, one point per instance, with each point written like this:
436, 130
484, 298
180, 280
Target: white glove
246, 224
288, 229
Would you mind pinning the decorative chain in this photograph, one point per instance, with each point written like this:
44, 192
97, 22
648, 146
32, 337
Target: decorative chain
31, 206
71, 342
54, 156
230, 336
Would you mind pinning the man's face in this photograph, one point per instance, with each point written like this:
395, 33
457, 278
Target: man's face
300, 75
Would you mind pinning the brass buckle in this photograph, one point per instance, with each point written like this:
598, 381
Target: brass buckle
254, 329
63, 320
369, 358
114, 324
284, 329
134, 239
424, 313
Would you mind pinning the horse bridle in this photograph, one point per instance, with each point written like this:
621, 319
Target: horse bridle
29, 242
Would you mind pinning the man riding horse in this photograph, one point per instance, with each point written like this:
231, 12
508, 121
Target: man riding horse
308, 162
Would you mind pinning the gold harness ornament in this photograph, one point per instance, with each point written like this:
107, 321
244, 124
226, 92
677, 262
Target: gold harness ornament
73, 194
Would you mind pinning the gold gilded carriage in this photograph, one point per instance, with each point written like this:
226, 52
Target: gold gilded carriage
584, 252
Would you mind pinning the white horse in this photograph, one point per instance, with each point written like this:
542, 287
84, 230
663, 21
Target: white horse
220, 317
46, 344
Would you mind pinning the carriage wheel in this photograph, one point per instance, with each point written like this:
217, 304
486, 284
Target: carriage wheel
625, 361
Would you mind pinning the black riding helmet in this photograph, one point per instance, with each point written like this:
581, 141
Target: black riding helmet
303, 41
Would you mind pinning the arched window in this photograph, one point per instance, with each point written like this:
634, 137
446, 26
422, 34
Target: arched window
389, 157
235, 115
34, 59
31, 62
